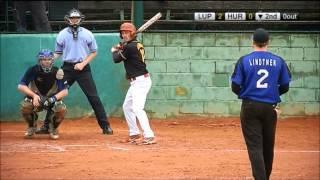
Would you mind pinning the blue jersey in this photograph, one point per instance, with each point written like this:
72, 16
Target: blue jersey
259, 74
42, 83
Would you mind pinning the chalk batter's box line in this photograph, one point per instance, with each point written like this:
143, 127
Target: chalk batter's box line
64, 148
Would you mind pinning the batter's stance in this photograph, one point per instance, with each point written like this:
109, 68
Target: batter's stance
259, 78
131, 52
44, 88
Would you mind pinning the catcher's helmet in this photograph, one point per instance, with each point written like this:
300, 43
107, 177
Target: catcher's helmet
45, 54
74, 13
128, 27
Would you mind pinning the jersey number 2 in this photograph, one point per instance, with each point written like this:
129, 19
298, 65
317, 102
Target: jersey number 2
264, 74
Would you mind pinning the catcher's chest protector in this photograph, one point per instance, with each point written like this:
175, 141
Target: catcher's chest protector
45, 83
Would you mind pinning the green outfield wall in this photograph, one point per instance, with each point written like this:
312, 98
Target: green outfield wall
190, 73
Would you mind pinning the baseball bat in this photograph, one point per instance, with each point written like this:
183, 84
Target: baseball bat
144, 26
149, 22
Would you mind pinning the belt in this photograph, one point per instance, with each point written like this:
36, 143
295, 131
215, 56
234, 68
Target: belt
134, 78
258, 102
70, 63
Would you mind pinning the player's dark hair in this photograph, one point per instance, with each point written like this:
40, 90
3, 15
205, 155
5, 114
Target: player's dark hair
260, 45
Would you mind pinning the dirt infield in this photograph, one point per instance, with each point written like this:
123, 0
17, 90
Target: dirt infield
193, 148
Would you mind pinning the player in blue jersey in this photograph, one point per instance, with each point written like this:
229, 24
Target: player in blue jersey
44, 87
259, 78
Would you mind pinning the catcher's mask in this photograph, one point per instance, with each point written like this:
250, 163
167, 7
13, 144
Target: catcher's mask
45, 60
74, 19
128, 27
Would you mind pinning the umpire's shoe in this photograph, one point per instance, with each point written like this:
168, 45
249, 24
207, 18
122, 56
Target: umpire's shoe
107, 130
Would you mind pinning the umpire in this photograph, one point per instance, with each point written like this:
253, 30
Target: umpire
259, 78
78, 48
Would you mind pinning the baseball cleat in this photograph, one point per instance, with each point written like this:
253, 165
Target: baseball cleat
133, 139
148, 141
29, 133
54, 134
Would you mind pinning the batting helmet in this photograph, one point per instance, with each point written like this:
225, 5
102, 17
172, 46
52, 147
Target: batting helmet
128, 27
45, 54
74, 13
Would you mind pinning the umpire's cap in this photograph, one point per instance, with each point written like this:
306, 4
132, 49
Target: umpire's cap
260, 36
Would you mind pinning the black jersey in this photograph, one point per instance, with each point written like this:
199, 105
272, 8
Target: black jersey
42, 83
132, 55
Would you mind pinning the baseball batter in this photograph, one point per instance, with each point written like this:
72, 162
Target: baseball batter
44, 88
131, 52
259, 78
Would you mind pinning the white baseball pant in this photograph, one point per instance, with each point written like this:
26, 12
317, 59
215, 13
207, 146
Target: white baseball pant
133, 106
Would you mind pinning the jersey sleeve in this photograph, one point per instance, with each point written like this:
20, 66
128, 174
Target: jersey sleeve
28, 76
139, 52
92, 43
118, 56
285, 74
123, 54
62, 84
59, 44
237, 75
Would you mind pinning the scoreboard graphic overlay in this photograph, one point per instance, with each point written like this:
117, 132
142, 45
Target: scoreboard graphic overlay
245, 16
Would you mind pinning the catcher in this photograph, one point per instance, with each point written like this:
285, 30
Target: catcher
43, 87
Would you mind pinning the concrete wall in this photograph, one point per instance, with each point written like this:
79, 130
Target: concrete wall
190, 72
19, 51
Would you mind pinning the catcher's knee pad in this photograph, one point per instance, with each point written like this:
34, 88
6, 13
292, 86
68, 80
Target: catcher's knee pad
59, 107
29, 115
26, 106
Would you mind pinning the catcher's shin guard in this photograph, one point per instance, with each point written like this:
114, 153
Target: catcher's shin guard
52, 130
59, 110
48, 118
44, 129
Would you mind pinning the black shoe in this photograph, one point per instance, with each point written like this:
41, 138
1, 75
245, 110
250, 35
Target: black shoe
107, 130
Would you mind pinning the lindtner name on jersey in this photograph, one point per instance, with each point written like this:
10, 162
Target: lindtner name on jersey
262, 62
